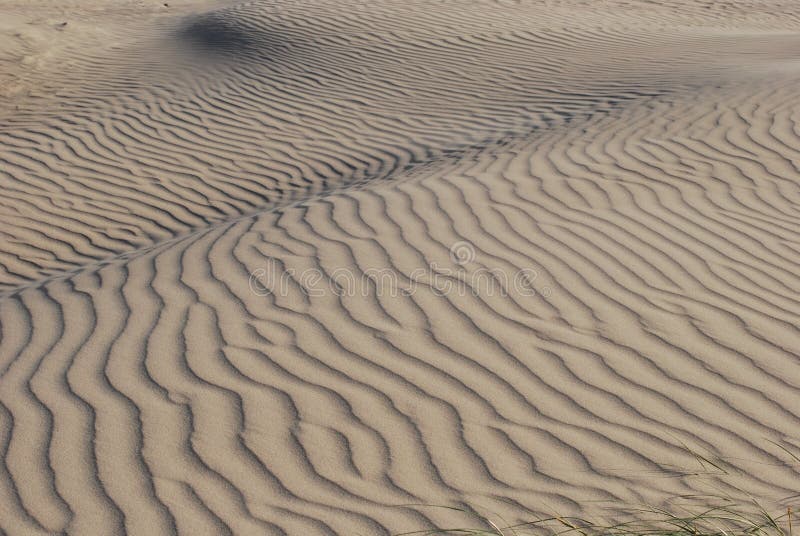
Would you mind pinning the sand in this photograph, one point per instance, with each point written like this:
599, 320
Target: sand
294, 267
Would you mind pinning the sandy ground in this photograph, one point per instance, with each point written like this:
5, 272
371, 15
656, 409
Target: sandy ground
293, 267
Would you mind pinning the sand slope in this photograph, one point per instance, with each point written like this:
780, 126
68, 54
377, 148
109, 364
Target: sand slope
280, 267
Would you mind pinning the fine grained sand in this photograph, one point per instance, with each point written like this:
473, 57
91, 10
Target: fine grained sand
281, 266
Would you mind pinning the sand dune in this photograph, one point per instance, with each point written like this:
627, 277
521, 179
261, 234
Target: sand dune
284, 267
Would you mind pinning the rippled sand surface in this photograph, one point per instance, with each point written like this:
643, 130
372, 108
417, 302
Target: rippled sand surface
294, 267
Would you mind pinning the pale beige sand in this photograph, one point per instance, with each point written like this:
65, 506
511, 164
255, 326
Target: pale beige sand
244, 251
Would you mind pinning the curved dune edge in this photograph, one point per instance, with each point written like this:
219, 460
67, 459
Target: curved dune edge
271, 283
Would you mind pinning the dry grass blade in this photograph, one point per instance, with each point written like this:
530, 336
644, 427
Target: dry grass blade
791, 454
726, 519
